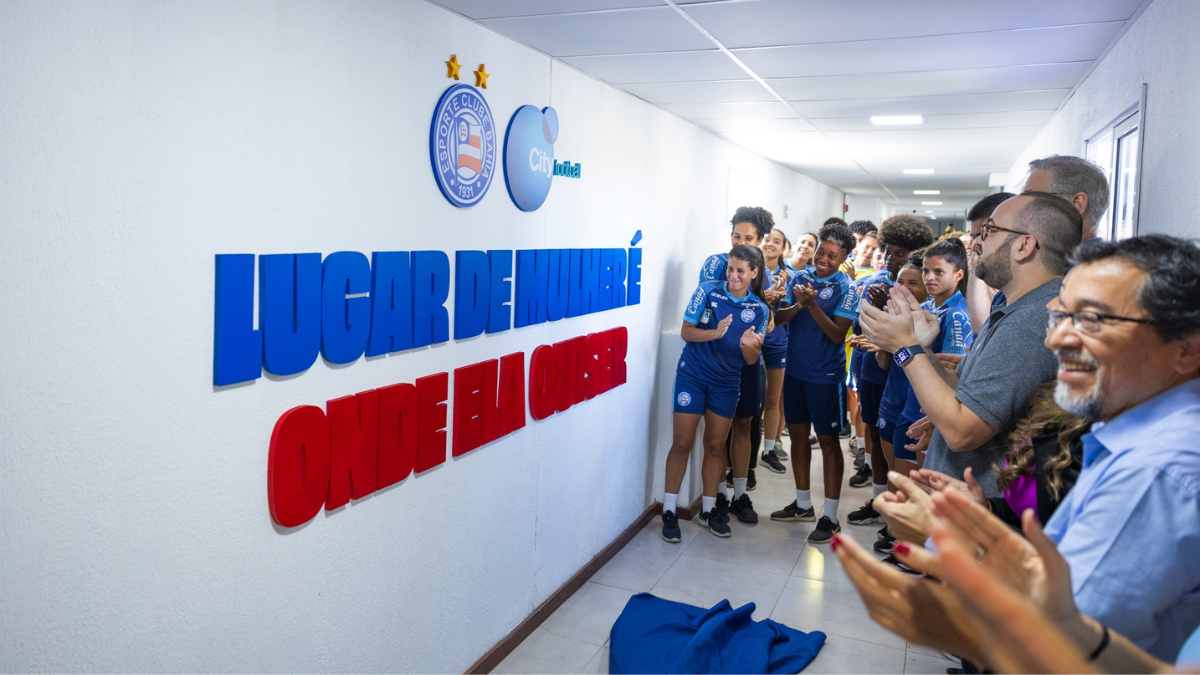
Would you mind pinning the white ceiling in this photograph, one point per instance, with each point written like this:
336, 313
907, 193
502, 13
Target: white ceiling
797, 80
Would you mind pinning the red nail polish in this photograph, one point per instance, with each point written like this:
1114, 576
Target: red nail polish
902, 548
837, 541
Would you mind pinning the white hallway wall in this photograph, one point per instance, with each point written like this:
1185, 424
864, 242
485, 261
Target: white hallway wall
142, 139
1160, 48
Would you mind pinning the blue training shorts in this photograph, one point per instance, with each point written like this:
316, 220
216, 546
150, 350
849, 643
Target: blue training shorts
776, 357
820, 404
693, 396
750, 402
870, 396
896, 433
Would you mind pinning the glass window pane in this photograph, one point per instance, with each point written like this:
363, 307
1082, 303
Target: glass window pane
1126, 183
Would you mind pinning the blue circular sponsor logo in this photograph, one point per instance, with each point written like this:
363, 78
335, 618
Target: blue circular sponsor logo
747, 316
685, 399
826, 293
462, 145
529, 155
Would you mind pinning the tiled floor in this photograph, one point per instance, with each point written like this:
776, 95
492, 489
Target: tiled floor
769, 564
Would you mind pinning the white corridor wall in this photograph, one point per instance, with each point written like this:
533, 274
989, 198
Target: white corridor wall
1160, 49
141, 139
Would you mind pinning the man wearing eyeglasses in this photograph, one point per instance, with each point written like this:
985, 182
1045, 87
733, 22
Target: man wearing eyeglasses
1022, 251
1125, 331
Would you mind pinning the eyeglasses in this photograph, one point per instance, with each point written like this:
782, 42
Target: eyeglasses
990, 226
1087, 321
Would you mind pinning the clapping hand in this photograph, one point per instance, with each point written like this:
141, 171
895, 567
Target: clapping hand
751, 339
723, 326
804, 295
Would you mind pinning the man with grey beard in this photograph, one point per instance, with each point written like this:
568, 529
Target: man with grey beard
1125, 331
1022, 251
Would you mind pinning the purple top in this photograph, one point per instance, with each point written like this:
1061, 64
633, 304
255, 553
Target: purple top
1022, 493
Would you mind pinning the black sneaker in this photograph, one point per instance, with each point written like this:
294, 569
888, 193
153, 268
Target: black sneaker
883, 533
791, 512
861, 478
670, 530
722, 508
895, 562
885, 545
865, 515
714, 523
860, 461
780, 453
751, 481
812, 440
770, 461
824, 531
743, 509
844, 433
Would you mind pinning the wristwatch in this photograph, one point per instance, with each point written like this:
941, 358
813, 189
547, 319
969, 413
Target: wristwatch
904, 355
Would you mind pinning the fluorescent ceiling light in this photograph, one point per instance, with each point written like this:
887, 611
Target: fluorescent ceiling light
918, 172
933, 217
929, 212
886, 120
927, 192
931, 203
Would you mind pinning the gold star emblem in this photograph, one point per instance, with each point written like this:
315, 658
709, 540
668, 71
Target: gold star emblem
452, 66
481, 77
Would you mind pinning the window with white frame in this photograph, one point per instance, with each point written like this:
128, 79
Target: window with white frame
1116, 149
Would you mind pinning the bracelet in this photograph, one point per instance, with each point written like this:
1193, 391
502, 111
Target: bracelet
1103, 644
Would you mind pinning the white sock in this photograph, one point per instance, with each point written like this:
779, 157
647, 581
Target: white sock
831, 509
707, 504
721, 490
739, 487
804, 499
669, 501
770, 446
877, 490
862, 442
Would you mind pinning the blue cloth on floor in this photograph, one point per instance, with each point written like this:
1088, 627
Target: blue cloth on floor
653, 635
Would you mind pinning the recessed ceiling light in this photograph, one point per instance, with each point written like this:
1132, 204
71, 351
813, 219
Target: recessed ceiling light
931, 203
933, 217
929, 212
927, 192
886, 120
918, 172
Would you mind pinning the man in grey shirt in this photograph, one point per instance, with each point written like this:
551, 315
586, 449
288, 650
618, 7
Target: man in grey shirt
1022, 251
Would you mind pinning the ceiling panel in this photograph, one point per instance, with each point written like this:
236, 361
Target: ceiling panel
965, 121
977, 50
649, 29
929, 105
812, 148
792, 22
688, 66
932, 82
491, 9
921, 135
760, 125
731, 111
728, 91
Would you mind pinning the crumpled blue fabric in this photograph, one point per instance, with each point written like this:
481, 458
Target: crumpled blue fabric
653, 635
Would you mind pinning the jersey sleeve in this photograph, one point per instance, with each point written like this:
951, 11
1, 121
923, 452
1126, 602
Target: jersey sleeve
848, 307
695, 306
956, 327
712, 270
766, 318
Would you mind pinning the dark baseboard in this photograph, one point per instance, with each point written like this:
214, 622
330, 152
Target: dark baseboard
503, 648
684, 512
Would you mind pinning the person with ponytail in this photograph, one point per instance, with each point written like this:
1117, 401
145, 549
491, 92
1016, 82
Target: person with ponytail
723, 328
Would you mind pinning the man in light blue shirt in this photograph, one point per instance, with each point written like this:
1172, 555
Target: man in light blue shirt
1126, 332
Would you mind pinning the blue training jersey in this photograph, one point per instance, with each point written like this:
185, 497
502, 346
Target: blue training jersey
812, 356
871, 372
713, 268
954, 324
720, 360
778, 337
